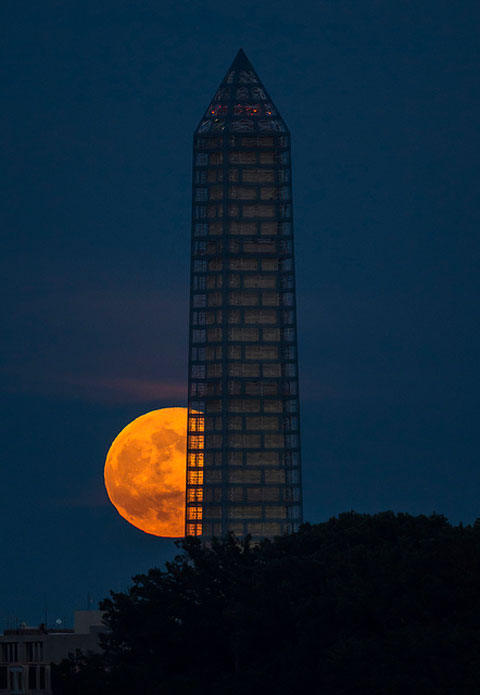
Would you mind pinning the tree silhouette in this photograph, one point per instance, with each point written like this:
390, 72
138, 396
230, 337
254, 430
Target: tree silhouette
378, 604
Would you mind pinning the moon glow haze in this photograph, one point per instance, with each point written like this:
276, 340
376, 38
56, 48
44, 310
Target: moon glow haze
145, 472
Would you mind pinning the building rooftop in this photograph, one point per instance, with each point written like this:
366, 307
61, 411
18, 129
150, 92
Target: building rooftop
85, 622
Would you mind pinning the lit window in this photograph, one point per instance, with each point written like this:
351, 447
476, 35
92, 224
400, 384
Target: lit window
196, 442
195, 494
196, 424
194, 513
196, 459
194, 529
195, 477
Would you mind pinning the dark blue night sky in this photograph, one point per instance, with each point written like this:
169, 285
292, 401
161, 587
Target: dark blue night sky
100, 100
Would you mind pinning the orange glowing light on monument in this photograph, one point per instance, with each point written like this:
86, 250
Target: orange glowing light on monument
145, 472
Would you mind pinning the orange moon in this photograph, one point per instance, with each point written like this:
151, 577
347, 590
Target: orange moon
145, 472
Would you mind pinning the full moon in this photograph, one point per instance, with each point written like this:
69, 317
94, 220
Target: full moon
145, 472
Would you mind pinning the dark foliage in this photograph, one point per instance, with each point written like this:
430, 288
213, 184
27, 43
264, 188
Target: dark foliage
385, 604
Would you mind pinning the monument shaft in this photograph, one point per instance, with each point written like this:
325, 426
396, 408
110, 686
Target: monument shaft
243, 445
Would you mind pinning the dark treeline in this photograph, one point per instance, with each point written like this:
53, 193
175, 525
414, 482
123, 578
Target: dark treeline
380, 604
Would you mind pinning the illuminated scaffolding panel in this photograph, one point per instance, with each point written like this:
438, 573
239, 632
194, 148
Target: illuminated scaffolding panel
243, 447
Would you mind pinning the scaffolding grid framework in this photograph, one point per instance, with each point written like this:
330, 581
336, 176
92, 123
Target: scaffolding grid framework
243, 441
